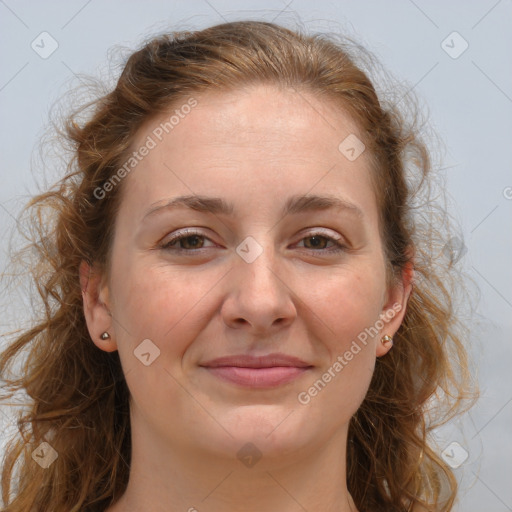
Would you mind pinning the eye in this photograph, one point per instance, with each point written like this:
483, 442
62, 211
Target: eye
188, 240
191, 240
318, 240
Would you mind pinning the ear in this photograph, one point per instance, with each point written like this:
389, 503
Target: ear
395, 305
95, 294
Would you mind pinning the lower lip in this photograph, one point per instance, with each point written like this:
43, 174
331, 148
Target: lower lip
257, 377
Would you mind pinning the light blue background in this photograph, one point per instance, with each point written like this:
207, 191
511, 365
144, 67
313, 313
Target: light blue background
470, 104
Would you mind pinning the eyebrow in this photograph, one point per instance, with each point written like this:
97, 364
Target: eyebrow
216, 205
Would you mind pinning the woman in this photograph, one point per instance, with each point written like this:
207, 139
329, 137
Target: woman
234, 317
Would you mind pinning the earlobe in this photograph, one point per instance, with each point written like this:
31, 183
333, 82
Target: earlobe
96, 311
394, 310
385, 345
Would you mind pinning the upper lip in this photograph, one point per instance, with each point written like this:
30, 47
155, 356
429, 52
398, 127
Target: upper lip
248, 361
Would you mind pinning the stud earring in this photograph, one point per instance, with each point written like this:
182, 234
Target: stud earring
387, 340
105, 336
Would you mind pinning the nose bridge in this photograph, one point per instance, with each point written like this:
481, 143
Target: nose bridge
259, 295
258, 267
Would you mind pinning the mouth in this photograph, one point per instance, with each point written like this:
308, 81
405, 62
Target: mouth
257, 372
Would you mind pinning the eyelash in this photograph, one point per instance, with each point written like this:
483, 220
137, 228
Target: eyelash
338, 247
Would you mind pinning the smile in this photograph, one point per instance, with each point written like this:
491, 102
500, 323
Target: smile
257, 372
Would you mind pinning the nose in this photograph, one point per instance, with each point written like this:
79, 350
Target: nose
259, 299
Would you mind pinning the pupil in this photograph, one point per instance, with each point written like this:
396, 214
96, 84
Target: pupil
316, 240
192, 237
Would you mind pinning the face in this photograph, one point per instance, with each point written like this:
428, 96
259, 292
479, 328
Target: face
225, 319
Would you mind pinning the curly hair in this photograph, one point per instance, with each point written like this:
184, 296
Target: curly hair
79, 399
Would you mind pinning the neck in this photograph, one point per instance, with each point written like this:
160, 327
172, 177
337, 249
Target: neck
177, 479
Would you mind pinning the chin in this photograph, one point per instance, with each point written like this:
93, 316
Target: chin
267, 430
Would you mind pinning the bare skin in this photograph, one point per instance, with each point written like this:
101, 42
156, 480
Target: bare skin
199, 299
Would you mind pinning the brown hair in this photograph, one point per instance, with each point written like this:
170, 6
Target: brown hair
79, 398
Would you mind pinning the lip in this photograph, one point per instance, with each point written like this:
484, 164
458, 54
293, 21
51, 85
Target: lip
257, 371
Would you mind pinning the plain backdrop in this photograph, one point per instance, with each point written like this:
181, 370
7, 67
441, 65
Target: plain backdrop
455, 55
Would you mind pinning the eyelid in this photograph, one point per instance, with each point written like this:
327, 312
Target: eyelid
308, 233
183, 233
339, 241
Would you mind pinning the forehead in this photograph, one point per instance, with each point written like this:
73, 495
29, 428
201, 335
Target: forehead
235, 116
258, 140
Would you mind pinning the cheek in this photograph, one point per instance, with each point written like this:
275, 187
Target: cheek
166, 307
351, 311
153, 302
352, 304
